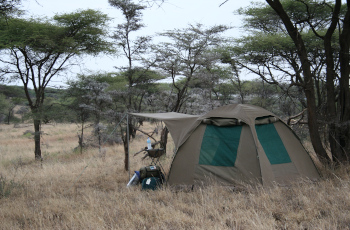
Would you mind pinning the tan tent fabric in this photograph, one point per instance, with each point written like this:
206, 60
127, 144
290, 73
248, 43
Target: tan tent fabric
165, 116
187, 158
248, 163
179, 124
244, 112
301, 160
267, 174
285, 162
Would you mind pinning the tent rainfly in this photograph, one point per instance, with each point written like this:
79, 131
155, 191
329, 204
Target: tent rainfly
233, 144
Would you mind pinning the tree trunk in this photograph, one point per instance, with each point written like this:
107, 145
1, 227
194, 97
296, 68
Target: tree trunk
344, 94
99, 137
126, 158
331, 117
313, 126
37, 133
308, 79
125, 138
333, 137
164, 138
81, 138
8, 118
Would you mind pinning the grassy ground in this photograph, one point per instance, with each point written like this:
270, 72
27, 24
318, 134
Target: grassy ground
69, 190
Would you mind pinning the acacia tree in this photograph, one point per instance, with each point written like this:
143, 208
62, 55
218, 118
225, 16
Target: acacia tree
207, 82
8, 7
35, 51
338, 113
307, 42
185, 56
97, 102
75, 95
132, 50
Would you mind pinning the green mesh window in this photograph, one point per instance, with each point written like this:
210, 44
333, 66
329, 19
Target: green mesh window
272, 144
219, 145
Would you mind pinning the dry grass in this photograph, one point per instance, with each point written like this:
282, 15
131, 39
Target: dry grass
73, 191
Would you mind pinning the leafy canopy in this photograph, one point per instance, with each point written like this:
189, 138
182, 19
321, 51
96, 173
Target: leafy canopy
82, 32
304, 14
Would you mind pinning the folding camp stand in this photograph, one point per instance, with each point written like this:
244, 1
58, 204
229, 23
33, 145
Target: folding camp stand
155, 155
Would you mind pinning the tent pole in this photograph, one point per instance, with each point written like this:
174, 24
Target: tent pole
127, 138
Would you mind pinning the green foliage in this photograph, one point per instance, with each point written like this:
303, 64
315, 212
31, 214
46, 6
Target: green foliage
17, 96
14, 91
261, 17
133, 15
268, 40
270, 53
90, 93
28, 135
37, 50
84, 32
189, 60
80, 32
44, 46
3, 103
53, 110
7, 106
262, 48
132, 47
9, 7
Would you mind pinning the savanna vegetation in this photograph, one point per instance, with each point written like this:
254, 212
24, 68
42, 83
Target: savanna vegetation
297, 50
300, 48
69, 190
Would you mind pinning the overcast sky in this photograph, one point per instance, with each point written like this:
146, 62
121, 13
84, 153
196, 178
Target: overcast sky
173, 14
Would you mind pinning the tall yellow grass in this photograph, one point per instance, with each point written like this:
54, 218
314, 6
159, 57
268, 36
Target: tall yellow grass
69, 190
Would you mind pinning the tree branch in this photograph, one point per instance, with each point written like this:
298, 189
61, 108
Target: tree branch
295, 116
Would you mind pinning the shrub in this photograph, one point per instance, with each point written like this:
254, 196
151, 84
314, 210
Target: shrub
7, 187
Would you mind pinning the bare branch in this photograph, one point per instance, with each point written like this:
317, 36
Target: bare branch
295, 116
223, 3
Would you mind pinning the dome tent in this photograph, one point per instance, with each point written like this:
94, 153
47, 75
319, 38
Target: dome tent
232, 144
